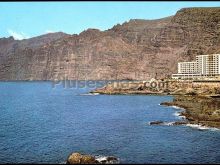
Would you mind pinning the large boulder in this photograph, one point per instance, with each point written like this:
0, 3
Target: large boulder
77, 158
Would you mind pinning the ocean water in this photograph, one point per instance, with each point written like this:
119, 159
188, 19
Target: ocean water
41, 124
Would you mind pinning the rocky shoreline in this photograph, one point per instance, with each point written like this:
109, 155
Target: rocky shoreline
200, 110
200, 101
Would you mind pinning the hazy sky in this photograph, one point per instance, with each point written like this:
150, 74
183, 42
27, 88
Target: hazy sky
29, 19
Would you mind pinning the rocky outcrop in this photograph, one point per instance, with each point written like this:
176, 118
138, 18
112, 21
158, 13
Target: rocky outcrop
176, 123
77, 158
137, 49
156, 122
180, 123
162, 87
201, 110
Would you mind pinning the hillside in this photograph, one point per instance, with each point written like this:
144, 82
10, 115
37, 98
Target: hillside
137, 49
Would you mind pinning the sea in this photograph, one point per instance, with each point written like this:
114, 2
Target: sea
43, 123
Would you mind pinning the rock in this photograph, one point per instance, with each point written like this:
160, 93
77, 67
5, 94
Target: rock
190, 91
167, 91
168, 123
156, 122
140, 88
77, 158
74, 158
88, 159
180, 123
167, 103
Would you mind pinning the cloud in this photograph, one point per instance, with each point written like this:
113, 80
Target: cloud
49, 31
18, 36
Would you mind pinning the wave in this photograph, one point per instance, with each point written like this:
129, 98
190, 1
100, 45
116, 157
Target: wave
201, 127
101, 158
194, 126
168, 123
178, 114
89, 94
176, 107
107, 159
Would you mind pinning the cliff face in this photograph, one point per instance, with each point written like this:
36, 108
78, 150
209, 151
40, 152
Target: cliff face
138, 49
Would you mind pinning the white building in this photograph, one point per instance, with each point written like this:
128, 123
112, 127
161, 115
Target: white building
204, 66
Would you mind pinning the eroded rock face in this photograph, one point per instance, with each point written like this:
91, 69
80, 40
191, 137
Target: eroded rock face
138, 49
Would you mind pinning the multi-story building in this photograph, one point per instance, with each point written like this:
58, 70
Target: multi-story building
204, 66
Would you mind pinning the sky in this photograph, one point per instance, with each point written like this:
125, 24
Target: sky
29, 19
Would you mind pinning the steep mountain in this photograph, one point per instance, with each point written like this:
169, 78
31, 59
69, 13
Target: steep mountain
137, 49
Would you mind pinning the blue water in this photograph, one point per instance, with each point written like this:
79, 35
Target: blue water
39, 124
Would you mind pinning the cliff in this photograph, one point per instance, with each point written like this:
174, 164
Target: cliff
137, 49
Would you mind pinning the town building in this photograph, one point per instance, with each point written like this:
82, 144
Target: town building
204, 66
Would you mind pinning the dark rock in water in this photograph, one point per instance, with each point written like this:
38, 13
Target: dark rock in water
171, 123
77, 158
180, 123
167, 104
156, 122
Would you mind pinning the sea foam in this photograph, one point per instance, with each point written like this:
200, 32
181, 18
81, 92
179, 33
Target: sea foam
89, 94
105, 159
178, 114
200, 127
168, 123
176, 107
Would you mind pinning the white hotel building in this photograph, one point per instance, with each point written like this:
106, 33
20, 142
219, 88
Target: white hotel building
204, 66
